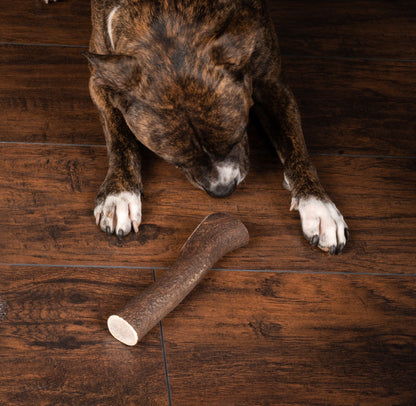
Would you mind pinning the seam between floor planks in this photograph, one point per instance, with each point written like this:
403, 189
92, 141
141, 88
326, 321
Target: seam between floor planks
165, 357
155, 268
55, 144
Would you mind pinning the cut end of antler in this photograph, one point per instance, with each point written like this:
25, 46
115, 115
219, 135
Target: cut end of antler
122, 330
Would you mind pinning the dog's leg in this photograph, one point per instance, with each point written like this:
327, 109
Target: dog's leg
322, 223
118, 204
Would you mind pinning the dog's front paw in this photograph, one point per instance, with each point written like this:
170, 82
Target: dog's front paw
322, 223
118, 213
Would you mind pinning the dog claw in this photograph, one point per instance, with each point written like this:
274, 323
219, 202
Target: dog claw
293, 204
341, 248
332, 250
347, 234
97, 218
315, 240
135, 227
108, 230
120, 234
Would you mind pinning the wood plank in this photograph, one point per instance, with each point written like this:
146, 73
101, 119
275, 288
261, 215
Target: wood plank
48, 192
32, 22
376, 28
55, 347
345, 105
44, 96
364, 28
284, 339
355, 107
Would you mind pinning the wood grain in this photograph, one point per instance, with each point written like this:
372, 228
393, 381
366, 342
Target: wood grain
54, 345
355, 107
44, 96
376, 28
245, 338
66, 22
48, 193
363, 29
345, 107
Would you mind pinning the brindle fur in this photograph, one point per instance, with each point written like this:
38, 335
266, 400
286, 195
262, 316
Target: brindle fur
181, 77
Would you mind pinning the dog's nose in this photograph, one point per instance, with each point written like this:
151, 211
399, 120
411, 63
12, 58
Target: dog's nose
222, 190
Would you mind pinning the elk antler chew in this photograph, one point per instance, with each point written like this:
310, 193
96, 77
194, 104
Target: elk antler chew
215, 236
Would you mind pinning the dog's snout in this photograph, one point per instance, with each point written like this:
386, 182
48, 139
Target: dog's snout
227, 178
222, 190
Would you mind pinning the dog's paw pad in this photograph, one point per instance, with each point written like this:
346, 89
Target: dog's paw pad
119, 213
322, 224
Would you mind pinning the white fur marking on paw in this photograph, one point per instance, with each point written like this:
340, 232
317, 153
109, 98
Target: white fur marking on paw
109, 24
119, 212
323, 219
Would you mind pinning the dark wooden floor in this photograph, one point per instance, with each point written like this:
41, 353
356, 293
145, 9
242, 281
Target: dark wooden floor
277, 323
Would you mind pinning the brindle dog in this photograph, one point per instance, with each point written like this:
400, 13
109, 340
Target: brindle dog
180, 77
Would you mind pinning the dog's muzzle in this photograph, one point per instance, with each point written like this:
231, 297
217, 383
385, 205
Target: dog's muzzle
228, 177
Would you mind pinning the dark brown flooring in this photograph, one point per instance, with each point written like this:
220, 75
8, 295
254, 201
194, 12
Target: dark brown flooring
277, 322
